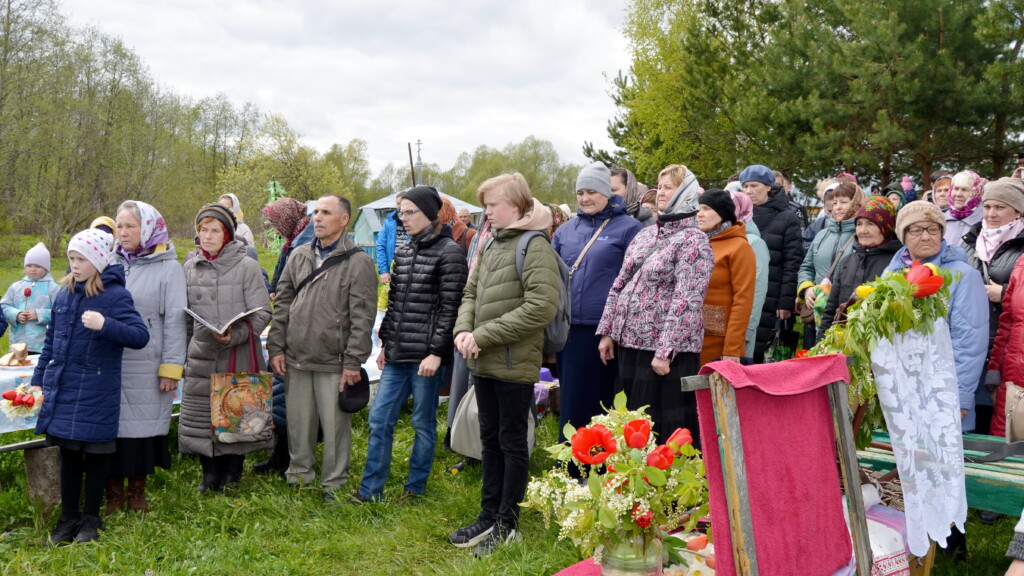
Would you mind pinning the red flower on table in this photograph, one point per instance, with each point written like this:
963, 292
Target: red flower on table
593, 445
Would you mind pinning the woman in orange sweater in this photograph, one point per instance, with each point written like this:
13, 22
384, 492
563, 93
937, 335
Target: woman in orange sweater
731, 290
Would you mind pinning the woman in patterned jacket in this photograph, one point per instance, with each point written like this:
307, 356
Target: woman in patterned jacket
653, 312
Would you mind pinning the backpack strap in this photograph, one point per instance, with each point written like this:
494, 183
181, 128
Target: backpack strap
521, 248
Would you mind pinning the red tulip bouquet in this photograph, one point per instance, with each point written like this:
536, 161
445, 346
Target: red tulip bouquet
635, 485
912, 299
22, 402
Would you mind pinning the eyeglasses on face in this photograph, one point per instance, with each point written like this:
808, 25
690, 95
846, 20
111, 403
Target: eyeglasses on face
931, 229
408, 213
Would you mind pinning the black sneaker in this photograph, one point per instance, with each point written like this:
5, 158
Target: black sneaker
471, 535
89, 529
64, 532
501, 534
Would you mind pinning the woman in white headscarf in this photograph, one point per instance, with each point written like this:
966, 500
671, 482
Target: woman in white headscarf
653, 313
242, 231
149, 376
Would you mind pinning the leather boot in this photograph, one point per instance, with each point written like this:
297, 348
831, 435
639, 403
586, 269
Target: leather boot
279, 458
137, 493
115, 494
211, 479
231, 469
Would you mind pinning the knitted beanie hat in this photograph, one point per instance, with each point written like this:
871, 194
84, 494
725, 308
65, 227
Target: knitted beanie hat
880, 211
1009, 191
721, 203
221, 214
426, 199
39, 256
915, 213
596, 177
94, 245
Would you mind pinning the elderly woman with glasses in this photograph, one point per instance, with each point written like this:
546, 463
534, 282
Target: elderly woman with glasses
920, 226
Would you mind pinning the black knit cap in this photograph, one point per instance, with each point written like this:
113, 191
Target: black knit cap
224, 215
721, 202
426, 199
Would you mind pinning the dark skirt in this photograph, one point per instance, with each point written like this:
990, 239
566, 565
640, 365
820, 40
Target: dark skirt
140, 456
89, 447
669, 406
585, 383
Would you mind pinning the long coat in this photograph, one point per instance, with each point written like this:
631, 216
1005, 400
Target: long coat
217, 291
780, 230
1007, 361
730, 295
79, 369
967, 317
157, 284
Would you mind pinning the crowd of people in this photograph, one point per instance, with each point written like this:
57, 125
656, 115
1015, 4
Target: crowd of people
662, 282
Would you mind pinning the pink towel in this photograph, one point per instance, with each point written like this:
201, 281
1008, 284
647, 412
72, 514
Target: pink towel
582, 568
792, 475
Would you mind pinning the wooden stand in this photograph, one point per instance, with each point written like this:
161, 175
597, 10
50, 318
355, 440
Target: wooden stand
723, 397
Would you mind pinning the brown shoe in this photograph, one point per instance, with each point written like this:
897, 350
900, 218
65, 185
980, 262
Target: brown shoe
137, 493
115, 495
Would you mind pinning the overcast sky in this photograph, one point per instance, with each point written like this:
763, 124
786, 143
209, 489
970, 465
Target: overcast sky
456, 74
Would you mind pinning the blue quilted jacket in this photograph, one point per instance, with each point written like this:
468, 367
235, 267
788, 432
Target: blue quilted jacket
80, 369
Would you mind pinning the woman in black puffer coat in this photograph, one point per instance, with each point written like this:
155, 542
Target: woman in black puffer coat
780, 230
875, 246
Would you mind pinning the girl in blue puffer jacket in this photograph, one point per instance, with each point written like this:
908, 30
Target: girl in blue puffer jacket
79, 372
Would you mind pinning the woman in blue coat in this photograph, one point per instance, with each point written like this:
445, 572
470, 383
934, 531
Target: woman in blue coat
79, 372
920, 226
585, 381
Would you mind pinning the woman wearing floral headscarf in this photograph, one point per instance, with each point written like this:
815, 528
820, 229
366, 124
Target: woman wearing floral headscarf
149, 376
289, 218
964, 207
873, 249
653, 313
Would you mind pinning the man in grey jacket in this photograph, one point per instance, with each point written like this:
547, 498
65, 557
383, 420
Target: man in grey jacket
319, 338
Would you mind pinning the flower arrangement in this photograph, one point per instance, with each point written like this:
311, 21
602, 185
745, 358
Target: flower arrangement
895, 303
632, 488
21, 402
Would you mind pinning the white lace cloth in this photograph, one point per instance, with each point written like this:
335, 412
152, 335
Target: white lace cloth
917, 390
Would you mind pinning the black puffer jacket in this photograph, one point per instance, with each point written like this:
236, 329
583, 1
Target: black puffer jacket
780, 230
860, 266
427, 280
998, 270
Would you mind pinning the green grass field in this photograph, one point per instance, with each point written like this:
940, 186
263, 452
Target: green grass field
266, 528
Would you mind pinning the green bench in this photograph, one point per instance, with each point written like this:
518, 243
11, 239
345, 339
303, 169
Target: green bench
996, 486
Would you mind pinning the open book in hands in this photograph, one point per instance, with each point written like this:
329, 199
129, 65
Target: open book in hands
220, 330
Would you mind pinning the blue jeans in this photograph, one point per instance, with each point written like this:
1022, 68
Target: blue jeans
397, 381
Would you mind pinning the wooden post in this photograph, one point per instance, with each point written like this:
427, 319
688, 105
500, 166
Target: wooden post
734, 472
846, 448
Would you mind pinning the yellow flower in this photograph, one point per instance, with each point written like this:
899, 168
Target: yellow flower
934, 268
863, 291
